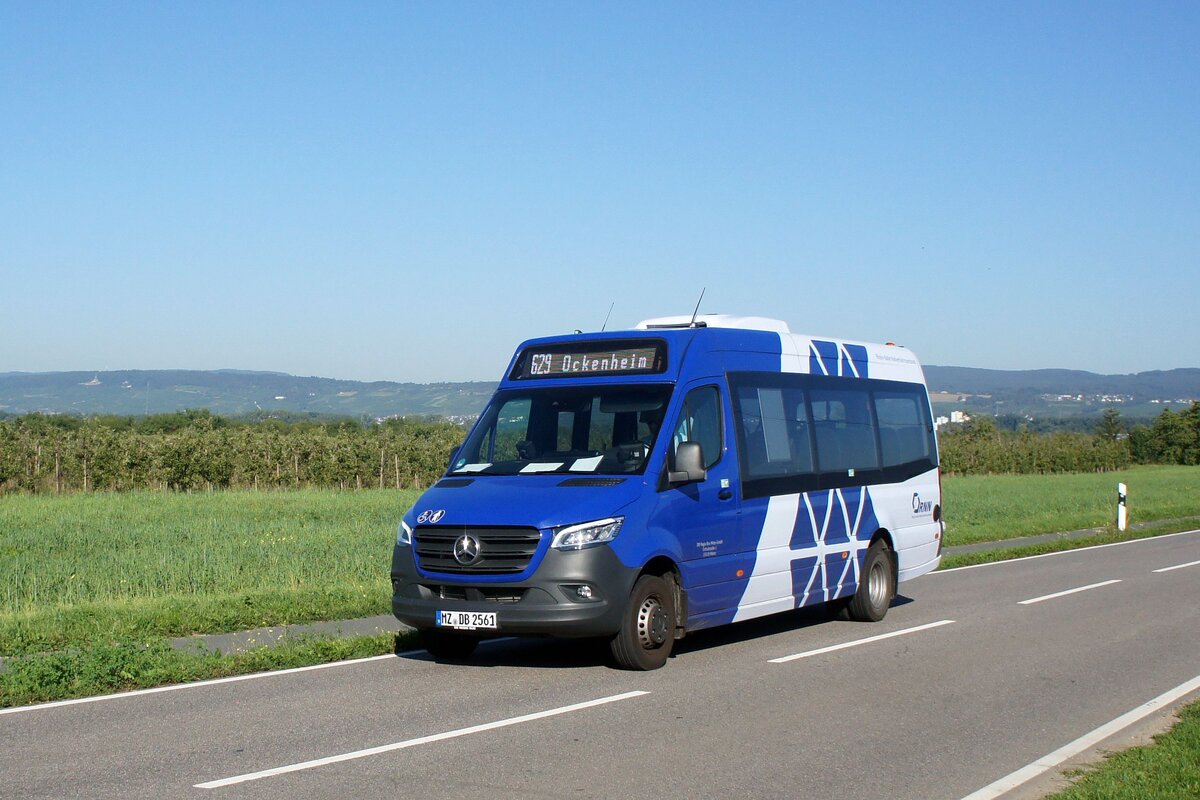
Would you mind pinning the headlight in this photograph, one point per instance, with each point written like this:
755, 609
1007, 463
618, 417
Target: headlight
403, 533
586, 534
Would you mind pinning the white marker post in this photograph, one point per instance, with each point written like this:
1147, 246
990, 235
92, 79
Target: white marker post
1122, 511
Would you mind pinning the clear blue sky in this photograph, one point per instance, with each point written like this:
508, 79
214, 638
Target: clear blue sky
403, 192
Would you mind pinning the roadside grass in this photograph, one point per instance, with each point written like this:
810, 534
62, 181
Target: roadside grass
1169, 769
1109, 535
986, 508
79, 568
119, 666
140, 619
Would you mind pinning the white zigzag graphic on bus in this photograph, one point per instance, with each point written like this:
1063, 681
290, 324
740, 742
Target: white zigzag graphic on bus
765, 591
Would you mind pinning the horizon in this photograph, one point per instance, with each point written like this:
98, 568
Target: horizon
389, 190
234, 370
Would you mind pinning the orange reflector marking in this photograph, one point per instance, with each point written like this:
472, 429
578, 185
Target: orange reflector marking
741, 572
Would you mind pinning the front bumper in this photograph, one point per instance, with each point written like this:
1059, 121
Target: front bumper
545, 604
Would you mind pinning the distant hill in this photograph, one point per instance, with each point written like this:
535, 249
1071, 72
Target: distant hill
1061, 392
231, 392
1046, 392
1156, 384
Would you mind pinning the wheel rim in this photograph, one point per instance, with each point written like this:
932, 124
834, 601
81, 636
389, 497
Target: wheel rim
652, 623
877, 585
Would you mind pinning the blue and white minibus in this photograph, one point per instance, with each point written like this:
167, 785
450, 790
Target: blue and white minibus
692, 472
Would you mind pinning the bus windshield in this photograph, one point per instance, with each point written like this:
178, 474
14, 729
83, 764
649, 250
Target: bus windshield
607, 430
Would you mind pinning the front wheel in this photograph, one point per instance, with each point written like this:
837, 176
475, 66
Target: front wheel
876, 585
648, 628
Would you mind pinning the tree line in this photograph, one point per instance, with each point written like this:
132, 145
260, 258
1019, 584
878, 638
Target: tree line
196, 450
981, 447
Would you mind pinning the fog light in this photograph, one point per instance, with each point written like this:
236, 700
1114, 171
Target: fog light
583, 592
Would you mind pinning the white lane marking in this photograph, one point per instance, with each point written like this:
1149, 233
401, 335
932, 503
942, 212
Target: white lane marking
857, 642
1051, 760
196, 684
437, 737
1067, 592
1063, 552
215, 681
1177, 566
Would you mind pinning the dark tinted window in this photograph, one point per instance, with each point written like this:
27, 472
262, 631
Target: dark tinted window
796, 433
845, 429
774, 430
903, 435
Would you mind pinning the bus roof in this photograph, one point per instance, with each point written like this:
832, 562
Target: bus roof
655, 349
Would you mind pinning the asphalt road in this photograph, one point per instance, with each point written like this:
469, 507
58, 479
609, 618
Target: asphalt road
935, 711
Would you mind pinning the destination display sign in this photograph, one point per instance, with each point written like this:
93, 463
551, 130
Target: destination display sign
591, 359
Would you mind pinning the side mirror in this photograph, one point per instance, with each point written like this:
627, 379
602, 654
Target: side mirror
453, 455
689, 464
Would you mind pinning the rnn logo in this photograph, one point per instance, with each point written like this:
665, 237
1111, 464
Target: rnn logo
921, 506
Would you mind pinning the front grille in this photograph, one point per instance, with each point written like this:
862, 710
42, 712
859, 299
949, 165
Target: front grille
502, 551
477, 594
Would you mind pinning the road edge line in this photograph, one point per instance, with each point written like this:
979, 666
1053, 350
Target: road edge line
1090, 739
1060, 552
74, 701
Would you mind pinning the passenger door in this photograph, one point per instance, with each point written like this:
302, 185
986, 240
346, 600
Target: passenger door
703, 516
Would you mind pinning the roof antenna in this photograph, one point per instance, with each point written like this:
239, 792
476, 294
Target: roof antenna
692, 324
606, 316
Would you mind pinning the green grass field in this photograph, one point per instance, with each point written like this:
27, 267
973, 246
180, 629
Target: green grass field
989, 508
83, 568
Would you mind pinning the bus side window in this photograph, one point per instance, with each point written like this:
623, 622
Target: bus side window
845, 429
902, 427
774, 430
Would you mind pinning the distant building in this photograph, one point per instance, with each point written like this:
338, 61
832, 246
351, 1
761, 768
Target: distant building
956, 417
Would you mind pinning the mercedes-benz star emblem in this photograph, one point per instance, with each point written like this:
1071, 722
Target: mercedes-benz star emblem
466, 549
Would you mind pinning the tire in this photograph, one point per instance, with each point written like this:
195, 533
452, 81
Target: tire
443, 644
876, 585
648, 628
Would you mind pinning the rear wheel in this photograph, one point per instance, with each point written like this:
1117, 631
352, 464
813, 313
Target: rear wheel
876, 585
648, 628
443, 644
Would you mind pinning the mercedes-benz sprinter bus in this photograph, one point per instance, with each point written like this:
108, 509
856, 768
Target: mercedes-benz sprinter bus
692, 472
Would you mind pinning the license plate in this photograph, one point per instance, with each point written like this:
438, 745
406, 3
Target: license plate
467, 620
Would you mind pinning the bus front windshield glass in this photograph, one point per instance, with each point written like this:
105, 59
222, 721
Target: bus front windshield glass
606, 430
